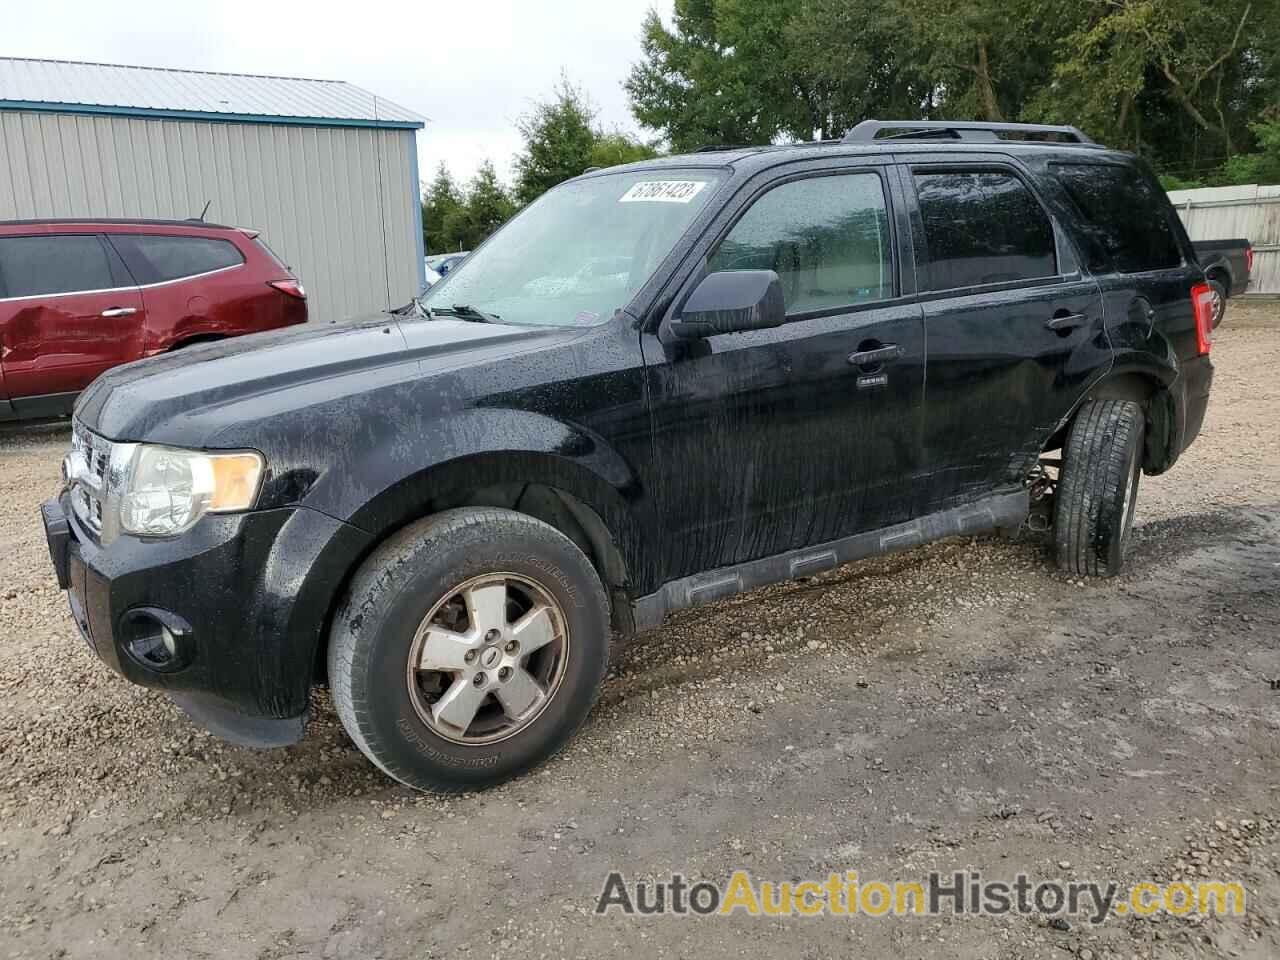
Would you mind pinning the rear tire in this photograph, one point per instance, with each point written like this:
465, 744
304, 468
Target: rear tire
1098, 488
1219, 301
431, 671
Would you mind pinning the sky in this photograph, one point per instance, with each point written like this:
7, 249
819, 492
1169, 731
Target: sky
472, 67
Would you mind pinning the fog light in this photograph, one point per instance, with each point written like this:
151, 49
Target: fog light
156, 639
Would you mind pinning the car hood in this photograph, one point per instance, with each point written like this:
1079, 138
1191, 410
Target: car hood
189, 396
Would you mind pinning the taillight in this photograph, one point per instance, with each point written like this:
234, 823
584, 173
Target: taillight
1202, 304
1248, 258
292, 287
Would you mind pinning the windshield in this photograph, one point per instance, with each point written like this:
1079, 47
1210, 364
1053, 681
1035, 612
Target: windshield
580, 252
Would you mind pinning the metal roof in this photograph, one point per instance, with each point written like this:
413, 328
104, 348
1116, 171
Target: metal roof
66, 86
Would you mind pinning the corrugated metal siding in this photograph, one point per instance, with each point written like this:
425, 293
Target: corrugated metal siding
336, 203
154, 88
1223, 213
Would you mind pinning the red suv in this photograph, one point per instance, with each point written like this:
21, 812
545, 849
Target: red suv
80, 296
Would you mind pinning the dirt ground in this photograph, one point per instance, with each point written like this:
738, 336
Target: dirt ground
961, 706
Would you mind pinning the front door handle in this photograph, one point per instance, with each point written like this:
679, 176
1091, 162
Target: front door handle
1068, 321
882, 354
119, 312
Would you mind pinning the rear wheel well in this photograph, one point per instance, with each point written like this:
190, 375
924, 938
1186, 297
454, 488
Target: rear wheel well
554, 507
198, 338
1157, 407
1222, 277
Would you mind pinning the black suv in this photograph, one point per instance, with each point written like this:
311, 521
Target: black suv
659, 385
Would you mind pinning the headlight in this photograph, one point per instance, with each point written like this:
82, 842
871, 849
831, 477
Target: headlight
168, 490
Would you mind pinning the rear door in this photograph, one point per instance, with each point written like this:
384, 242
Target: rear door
68, 311
195, 286
1137, 249
773, 440
1015, 329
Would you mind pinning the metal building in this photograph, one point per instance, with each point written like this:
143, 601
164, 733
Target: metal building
328, 172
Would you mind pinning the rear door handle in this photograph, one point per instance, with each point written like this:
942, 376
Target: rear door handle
119, 312
866, 358
1067, 322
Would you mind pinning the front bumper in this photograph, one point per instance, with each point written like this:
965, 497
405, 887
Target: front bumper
248, 596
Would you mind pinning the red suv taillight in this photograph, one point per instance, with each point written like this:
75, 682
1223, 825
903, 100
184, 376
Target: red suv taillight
1202, 304
1248, 258
292, 287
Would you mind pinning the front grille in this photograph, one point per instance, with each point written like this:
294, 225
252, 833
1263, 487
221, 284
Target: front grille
89, 475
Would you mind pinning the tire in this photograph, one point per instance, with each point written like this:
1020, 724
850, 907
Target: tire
1098, 487
387, 707
1219, 301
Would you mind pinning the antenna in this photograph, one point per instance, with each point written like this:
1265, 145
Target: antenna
204, 211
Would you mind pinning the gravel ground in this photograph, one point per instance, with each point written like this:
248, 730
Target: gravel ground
961, 706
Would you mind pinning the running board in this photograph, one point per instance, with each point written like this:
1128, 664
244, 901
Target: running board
1000, 510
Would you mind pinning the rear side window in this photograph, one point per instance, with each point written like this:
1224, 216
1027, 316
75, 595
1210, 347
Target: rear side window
155, 259
827, 238
35, 266
983, 226
1127, 223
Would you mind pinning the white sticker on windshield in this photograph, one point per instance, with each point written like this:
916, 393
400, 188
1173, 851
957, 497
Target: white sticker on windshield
663, 191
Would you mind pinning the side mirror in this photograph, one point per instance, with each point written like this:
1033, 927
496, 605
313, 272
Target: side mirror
731, 301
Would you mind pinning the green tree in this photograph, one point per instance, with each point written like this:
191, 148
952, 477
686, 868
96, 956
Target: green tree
984, 59
561, 140
1260, 167
488, 202
440, 206
488, 206
558, 140
723, 74
1179, 80
612, 149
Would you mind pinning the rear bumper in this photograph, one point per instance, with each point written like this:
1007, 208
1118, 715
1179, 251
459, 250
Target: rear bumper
1195, 380
244, 597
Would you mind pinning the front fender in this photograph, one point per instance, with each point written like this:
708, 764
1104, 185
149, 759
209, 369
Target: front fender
405, 477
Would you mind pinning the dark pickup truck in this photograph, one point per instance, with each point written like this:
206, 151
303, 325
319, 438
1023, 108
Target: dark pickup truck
1227, 265
797, 357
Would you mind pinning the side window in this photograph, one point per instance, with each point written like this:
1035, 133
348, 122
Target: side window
69, 263
826, 237
983, 226
156, 259
1127, 222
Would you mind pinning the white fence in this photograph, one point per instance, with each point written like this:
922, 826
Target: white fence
1224, 213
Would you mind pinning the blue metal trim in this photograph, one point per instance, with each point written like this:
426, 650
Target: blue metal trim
147, 112
420, 241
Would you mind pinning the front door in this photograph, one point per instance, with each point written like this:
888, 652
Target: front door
1016, 332
68, 311
772, 440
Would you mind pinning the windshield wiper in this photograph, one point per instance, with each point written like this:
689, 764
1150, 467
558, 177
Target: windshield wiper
464, 311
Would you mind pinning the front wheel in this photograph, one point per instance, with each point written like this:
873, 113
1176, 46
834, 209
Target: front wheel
469, 648
1098, 487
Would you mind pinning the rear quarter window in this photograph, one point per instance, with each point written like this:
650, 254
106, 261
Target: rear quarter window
156, 259
271, 254
1126, 217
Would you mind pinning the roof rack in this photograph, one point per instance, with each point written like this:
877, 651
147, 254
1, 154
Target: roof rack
869, 130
